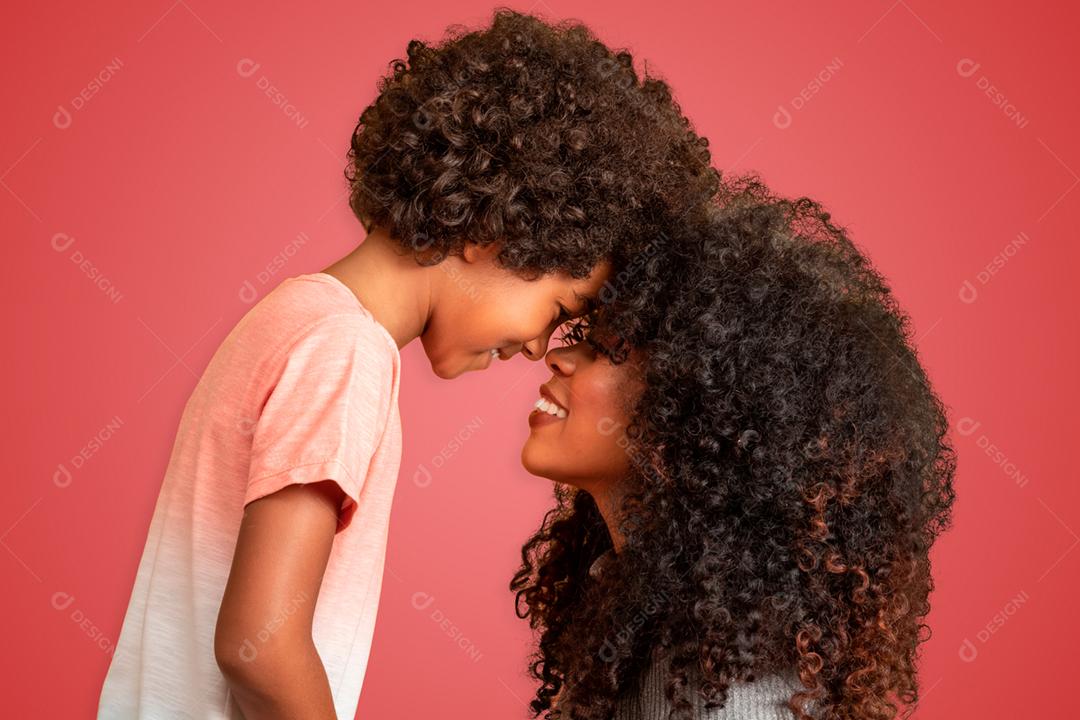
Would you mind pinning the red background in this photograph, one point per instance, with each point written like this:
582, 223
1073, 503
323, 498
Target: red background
178, 180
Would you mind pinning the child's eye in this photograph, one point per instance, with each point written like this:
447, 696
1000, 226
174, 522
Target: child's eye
564, 316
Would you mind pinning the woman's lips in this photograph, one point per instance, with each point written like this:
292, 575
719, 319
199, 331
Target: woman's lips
553, 402
547, 409
538, 418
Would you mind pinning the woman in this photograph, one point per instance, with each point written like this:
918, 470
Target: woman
751, 467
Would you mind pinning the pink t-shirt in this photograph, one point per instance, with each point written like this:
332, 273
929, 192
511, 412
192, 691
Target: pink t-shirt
303, 389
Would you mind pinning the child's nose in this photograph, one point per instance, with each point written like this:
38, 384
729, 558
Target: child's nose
535, 348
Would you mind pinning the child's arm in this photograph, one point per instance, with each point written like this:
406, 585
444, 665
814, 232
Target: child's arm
263, 641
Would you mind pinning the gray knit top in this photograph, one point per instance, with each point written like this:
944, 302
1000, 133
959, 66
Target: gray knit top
763, 699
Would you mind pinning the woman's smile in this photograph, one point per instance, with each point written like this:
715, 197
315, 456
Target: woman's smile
547, 409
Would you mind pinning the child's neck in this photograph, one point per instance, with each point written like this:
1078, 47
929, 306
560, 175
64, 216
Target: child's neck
389, 283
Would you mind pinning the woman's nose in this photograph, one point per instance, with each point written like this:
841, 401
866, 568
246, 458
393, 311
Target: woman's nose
561, 360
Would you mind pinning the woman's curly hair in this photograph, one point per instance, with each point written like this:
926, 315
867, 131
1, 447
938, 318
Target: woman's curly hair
532, 134
790, 472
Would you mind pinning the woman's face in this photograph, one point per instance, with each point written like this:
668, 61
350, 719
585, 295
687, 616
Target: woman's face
583, 443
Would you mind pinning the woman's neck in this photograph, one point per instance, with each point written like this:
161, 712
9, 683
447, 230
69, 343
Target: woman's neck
607, 501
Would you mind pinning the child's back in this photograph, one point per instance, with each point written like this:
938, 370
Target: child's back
303, 389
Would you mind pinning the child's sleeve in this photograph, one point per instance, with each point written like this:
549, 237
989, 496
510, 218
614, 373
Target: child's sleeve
326, 412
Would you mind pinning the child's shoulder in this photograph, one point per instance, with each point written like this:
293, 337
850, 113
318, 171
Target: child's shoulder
317, 293
311, 305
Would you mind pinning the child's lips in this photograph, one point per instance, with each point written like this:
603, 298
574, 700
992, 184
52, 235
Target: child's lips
487, 358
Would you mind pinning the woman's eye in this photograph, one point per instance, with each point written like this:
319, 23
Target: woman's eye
573, 333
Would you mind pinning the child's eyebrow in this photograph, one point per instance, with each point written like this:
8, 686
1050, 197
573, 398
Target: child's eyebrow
585, 304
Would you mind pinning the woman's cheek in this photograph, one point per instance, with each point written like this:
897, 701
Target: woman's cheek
591, 434
582, 431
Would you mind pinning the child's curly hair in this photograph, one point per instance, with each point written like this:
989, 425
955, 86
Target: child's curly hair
532, 134
790, 471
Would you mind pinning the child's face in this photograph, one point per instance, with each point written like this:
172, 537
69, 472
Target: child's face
483, 307
584, 442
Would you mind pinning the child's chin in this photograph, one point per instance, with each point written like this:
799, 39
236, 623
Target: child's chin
455, 365
443, 374
448, 370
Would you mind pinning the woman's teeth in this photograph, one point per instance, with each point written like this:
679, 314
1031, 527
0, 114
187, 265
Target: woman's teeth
544, 405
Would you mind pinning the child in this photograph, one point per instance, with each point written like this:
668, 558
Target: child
496, 174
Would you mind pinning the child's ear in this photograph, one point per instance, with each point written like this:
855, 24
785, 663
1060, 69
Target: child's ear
475, 252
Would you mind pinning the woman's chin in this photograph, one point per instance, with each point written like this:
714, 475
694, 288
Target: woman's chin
536, 461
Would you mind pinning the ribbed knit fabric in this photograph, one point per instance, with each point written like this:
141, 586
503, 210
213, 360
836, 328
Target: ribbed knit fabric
763, 699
